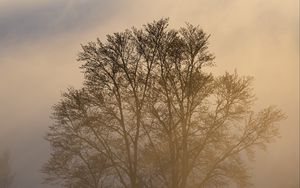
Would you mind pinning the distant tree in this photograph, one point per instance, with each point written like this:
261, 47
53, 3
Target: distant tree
151, 115
6, 176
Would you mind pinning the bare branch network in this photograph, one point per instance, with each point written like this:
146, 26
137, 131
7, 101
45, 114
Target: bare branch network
151, 115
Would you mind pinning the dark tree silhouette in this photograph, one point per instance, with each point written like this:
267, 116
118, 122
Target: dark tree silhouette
6, 176
151, 115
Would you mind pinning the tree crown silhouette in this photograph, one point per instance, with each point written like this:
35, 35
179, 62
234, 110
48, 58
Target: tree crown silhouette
150, 114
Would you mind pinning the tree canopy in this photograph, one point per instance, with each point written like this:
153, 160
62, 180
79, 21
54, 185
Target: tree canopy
6, 176
151, 114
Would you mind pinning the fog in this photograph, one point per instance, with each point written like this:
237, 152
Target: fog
40, 40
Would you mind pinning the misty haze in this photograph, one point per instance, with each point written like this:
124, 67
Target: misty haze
136, 94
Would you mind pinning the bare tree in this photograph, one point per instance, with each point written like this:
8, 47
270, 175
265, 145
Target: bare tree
151, 115
6, 176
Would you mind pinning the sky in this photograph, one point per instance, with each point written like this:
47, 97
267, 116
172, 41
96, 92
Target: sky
40, 40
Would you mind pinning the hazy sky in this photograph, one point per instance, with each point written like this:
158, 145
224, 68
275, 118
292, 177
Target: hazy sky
40, 40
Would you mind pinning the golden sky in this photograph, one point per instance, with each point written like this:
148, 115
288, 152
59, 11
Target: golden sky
40, 39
